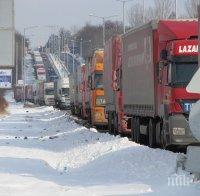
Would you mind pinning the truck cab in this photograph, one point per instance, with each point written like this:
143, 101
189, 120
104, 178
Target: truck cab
178, 66
49, 97
62, 93
97, 103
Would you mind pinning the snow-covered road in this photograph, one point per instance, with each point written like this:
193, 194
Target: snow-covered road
44, 153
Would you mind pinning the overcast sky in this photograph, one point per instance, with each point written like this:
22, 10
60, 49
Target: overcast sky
66, 13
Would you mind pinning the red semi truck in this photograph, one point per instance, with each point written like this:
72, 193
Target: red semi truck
158, 61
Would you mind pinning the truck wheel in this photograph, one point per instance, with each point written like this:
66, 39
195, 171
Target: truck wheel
116, 124
152, 133
135, 130
110, 123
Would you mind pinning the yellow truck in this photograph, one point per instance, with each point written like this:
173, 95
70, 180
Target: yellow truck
97, 96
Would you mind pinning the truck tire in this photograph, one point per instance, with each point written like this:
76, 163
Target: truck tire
116, 124
152, 133
135, 130
110, 123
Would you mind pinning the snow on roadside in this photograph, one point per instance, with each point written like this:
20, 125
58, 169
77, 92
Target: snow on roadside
43, 147
194, 119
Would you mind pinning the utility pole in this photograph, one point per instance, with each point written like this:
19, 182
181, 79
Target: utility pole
124, 5
176, 9
81, 48
143, 7
73, 45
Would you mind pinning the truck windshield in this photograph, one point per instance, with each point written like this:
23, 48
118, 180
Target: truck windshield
49, 91
98, 80
99, 58
65, 91
183, 73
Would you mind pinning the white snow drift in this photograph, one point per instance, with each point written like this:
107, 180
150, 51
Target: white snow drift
44, 153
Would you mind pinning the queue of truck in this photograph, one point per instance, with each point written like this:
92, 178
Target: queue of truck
137, 84
42, 91
87, 97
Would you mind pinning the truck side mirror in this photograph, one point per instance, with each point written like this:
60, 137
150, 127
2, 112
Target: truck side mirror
163, 55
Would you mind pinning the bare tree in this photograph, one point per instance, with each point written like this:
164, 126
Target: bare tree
91, 35
113, 28
163, 9
135, 15
191, 8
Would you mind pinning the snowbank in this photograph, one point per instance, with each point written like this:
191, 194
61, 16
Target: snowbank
194, 120
42, 147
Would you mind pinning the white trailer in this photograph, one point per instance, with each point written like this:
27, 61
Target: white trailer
62, 93
49, 97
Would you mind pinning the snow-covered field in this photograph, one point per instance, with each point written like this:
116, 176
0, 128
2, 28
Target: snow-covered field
44, 153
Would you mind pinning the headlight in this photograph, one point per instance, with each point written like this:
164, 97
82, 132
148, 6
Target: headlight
178, 131
100, 101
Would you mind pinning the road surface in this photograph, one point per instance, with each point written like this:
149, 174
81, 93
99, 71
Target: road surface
45, 153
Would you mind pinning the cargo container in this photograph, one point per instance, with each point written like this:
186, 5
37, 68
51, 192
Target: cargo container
41, 74
19, 93
39, 66
79, 93
38, 92
158, 61
29, 93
